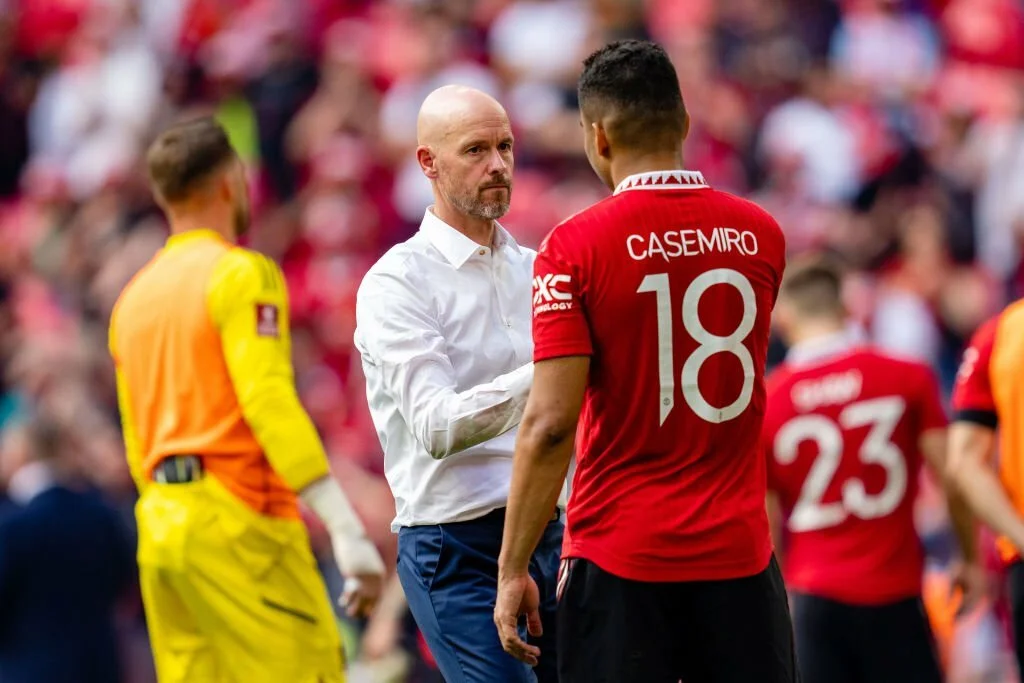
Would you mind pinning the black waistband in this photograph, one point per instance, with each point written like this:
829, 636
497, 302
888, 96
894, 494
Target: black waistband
178, 469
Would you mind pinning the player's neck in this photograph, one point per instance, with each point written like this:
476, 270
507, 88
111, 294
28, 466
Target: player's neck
813, 330
191, 221
480, 230
625, 166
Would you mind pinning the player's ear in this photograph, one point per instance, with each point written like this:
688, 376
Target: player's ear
601, 144
427, 160
686, 124
225, 186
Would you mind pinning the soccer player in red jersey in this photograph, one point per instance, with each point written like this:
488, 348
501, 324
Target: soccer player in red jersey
652, 311
846, 431
988, 401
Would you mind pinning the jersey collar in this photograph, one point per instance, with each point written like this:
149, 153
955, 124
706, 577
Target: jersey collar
825, 347
192, 236
455, 246
663, 180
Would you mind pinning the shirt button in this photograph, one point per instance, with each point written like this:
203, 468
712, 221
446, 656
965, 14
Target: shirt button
508, 323
483, 252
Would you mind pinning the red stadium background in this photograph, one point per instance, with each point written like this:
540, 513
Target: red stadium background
889, 132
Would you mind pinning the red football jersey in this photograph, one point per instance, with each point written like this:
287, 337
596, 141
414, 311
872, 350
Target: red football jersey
842, 432
972, 394
668, 285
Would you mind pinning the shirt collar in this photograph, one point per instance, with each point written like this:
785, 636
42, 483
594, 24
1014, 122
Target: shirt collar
454, 245
192, 236
29, 481
824, 347
663, 180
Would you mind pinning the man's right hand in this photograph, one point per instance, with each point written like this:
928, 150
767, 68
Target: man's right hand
363, 570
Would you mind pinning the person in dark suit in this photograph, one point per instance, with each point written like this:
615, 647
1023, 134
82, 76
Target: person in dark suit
65, 559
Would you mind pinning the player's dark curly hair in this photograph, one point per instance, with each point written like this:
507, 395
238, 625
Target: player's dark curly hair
633, 87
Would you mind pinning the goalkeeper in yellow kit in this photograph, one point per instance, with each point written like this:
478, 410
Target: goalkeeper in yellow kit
220, 447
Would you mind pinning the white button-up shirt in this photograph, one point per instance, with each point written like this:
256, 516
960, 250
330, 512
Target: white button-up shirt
443, 327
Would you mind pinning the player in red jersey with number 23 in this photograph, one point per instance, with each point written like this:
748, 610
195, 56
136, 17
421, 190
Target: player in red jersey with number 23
652, 311
847, 431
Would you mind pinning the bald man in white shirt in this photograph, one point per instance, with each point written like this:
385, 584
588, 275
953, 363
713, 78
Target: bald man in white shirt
444, 329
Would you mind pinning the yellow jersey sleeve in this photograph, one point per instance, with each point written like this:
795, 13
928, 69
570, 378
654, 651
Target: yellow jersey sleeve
132, 448
248, 303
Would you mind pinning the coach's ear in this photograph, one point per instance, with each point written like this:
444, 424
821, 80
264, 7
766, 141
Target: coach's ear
428, 162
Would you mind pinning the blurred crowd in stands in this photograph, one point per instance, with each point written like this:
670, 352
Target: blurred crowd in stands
890, 132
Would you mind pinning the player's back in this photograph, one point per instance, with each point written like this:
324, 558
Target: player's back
676, 282
168, 353
842, 431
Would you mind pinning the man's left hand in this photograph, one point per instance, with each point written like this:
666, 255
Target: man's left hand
518, 595
970, 581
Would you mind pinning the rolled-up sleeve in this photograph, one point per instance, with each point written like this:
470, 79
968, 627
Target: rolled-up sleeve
248, 303
398, 333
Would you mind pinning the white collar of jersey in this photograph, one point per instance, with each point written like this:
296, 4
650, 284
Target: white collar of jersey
454, 245
826, 346
663, 180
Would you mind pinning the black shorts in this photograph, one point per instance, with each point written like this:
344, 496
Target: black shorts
842, 643
1015, 588
612, 630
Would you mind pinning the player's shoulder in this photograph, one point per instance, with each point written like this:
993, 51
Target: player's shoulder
1010, 319
754, 214
894, 370
566, 231
243, 267
137, 282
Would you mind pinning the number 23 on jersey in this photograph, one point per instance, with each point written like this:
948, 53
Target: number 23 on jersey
880, 416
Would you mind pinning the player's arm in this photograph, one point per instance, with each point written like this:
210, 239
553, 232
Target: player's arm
562, 349
967, 574
932, 443
248, 303
132, 449
398, 334
541, 462
971, 466
970, 460
933, 446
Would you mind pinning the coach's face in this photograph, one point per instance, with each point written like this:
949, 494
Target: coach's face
471, 164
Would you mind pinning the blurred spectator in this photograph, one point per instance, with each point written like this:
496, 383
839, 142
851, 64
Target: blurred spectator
807, 136
882, 47
994, 154
889, 132
65, 560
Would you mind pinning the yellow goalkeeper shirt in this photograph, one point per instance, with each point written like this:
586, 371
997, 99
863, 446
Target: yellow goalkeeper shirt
202, 350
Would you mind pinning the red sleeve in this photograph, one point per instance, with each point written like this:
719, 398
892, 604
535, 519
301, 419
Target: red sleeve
560, 325
933, 415
972, 393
